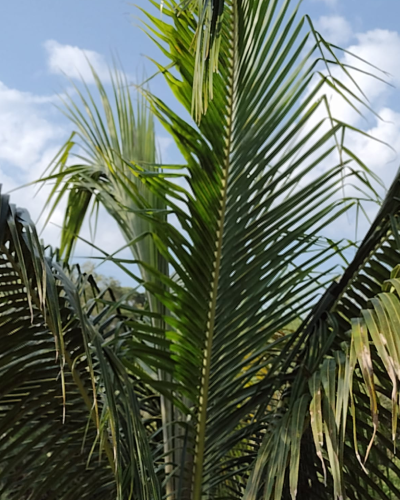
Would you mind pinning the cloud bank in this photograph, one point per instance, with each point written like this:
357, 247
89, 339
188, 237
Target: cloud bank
75, 62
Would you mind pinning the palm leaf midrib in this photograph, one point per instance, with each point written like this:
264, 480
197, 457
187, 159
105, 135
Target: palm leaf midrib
207, 354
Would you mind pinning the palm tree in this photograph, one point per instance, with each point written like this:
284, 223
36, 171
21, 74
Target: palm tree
208, 393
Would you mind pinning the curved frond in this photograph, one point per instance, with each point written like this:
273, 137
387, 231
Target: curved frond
355, 383
70, 420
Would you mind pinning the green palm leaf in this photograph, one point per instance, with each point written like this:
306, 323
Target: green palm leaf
250, 219
58, 439
355, 386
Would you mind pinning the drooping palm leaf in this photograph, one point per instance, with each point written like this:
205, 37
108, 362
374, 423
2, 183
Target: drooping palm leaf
57, 440
206, 42
362, 281
91, 167
343, 438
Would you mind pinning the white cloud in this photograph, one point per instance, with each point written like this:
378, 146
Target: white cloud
381, 48
335, 29
25, 131
380, 158
29, 139
74, 62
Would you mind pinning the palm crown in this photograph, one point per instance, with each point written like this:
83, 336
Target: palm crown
238, 379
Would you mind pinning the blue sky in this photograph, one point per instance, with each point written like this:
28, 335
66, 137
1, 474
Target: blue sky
40, 39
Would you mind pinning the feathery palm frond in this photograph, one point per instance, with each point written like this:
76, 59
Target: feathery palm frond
256, 204
56, 366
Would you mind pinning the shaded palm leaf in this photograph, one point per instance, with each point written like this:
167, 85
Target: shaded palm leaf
351, 375
59, 379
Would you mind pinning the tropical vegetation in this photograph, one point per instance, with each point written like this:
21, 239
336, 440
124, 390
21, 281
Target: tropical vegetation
258, 366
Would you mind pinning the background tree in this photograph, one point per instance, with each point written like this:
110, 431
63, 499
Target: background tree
97, 283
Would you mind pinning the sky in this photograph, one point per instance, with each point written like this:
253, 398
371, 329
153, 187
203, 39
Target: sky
45, 42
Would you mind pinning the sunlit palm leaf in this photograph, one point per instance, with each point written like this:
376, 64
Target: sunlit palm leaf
206, 42
255, 206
